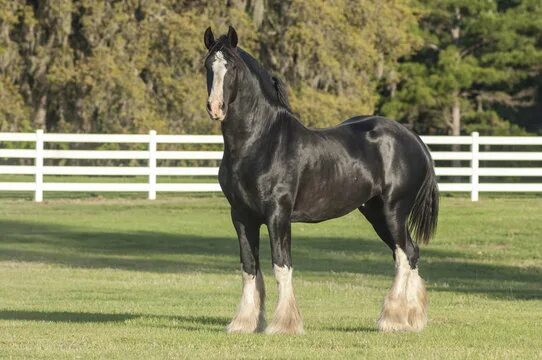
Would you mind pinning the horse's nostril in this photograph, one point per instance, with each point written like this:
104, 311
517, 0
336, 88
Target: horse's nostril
222, 106
208, 106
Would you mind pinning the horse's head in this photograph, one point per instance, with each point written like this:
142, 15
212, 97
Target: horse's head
222, 66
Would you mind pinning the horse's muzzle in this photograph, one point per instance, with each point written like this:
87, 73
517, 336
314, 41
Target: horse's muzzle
216, 110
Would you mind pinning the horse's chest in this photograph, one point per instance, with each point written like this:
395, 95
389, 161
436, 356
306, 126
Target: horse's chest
240, 186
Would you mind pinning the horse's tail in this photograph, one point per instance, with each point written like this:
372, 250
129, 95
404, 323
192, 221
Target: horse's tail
422, 221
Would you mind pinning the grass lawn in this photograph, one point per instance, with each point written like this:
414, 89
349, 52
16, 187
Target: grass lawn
127, 278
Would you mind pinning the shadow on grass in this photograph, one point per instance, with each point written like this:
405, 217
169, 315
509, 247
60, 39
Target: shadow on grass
177, 253
352, 329
194, 323
182, 322
63, 316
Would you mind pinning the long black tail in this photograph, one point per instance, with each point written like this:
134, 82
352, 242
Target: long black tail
422, 221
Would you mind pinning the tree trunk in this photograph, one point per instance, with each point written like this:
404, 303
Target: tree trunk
456, 127
41, 112
257, 9
456, 106
456, 116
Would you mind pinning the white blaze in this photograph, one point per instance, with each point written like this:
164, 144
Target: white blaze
216, 98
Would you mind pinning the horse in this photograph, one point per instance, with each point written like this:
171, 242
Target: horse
276, 171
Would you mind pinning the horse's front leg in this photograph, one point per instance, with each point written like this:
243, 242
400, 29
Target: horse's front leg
250, 316
287, 319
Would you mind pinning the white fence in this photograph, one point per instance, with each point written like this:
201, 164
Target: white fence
152, 155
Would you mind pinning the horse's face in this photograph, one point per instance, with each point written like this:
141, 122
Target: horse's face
221, 73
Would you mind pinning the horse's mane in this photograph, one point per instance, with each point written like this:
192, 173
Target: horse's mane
273, 87
282, 92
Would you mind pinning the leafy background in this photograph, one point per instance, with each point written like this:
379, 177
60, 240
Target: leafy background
439, 66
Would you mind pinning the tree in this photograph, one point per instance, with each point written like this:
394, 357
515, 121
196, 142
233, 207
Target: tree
108, 66
133, 65
476, 54
333, 54
14, 113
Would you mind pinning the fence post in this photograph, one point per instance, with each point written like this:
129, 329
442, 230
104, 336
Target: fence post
152, 165
38, 164
475, 164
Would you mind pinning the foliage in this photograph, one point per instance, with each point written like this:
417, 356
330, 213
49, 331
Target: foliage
334, 53
129, 66
134, 65
95, 66
477, 54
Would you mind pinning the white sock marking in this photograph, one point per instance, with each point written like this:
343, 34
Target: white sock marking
250, 315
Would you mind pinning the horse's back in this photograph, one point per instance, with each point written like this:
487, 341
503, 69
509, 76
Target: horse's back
378, 129
368, 123
360, 119
396, 153
405, 158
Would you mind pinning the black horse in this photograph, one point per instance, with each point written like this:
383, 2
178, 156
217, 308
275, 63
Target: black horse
275, 171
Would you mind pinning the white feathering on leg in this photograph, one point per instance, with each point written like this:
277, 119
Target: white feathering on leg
287, 319
405, 306
250, 316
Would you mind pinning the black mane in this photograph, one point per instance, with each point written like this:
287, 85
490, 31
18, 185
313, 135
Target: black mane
273, 88
282, 92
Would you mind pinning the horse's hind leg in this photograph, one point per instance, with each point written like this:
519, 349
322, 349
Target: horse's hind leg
250, 316
405, 306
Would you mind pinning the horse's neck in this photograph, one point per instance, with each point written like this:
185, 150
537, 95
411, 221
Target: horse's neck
241, 140
249, 124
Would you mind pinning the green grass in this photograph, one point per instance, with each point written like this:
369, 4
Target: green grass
129, 278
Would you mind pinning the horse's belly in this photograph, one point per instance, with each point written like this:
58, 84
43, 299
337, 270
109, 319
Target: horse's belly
314, 217
330, 202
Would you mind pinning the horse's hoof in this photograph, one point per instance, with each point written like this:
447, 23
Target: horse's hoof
386, 325
405, 306
244, 326
403, 314
285, 330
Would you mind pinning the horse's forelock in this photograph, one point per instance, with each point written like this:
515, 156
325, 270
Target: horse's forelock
221, 45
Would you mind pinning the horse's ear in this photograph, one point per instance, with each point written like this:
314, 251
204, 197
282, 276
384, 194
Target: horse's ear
209, 38
232, 37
